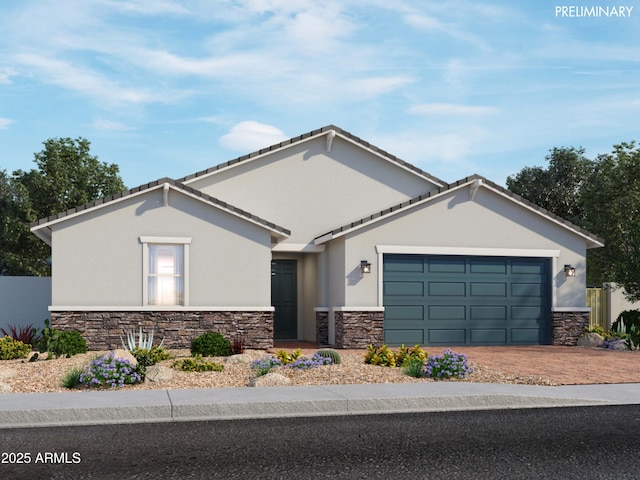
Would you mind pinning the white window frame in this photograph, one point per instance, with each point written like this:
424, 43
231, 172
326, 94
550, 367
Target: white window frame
146, 241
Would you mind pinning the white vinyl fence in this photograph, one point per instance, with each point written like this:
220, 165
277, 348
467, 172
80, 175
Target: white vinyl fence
24, 301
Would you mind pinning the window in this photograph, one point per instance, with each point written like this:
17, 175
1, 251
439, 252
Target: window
165, 263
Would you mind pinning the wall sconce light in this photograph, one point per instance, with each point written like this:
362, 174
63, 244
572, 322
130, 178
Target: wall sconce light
569, 271
365, 267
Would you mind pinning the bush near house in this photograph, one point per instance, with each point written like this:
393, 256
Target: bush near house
628, 319
60, 343
24, 333
11, 349
386, 357
211, 344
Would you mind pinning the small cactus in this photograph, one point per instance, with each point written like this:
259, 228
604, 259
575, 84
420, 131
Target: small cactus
330, 353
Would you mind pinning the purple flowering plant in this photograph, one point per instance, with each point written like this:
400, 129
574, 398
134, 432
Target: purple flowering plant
314, 361
263, 365
108, 371
448, 365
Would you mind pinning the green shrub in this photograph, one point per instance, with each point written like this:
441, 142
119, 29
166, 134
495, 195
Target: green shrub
330, 353
288, 357
197, 364
11, 349
382, 356
625, 321
415, 367
148, 357
60, 343
599, 330
211, 344
71, 379
406, 355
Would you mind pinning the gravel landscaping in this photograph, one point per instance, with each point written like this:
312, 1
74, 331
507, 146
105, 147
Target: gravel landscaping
22, 376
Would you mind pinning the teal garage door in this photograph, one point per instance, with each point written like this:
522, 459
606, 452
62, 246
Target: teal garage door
456, 300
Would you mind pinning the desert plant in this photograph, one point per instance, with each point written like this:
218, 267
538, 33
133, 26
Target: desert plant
211, 344
11, 349
415, 367
145, 341
288, 357
197, 364
382, 356
599, 330
60, 343
405, 355
633, 338
108, 371
24, 333
147, 357
625, 321
71, 379
447, 365
330, 353
303, 363
264, 365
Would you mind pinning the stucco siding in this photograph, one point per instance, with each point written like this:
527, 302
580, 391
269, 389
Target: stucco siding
311, 190
98, 256
455, 221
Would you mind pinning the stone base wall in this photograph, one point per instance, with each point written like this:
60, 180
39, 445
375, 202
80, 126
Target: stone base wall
102, 330
567, 327
322, 328
359, 329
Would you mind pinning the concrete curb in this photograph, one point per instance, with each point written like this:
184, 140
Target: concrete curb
138, 406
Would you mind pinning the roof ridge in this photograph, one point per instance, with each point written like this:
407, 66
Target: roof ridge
153, 184
304, 136
450, 186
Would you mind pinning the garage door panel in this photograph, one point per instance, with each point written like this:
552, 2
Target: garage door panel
404, 289
447, 289
488, 289
406, 337
446, 312
488, 336
446, 265
405, 263
447, 336
457, 300
497, 312
533, 312
498, 267
527, 290
526, 335
528, 267
395, 313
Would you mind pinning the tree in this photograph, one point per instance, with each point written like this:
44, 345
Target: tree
556, 188
612, 202
67, 176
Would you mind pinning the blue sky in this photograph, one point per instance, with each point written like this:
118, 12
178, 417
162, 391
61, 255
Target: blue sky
170, 87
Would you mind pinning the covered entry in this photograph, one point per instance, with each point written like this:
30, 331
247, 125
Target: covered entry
466, 300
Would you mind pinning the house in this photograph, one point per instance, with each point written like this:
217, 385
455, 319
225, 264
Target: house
324, 238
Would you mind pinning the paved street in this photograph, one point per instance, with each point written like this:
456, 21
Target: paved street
562, 443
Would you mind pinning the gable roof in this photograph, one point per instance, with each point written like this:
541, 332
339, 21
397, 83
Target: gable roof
475, 182
330, 131
42, 227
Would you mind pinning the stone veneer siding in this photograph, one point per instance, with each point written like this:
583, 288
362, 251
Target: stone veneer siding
102, 330
567, 327
359, 329
322, 328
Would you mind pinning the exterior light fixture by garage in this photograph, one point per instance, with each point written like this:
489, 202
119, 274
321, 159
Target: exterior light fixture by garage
365, 267
569, 271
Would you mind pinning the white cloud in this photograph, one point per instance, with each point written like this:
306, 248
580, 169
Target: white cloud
249, 136
4, 123
6, 74
109, 125
147, 7
375, 86
89, 82
451, 109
